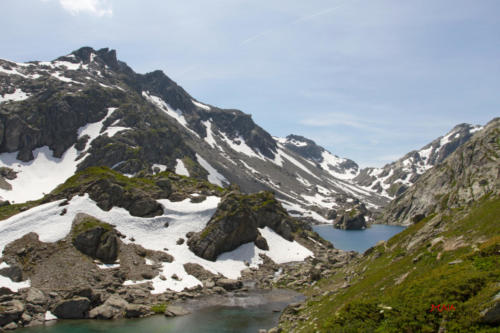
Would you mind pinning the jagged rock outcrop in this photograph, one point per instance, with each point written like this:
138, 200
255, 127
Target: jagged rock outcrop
95, 238
353, 219
236, 222
469, 173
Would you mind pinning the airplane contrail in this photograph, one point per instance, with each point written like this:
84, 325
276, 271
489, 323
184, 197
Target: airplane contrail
299, 20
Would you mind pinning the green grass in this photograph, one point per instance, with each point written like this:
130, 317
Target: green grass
469, 285
159, 308
88, 223
11, 210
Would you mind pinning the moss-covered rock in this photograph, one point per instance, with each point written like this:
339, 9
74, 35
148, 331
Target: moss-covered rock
95, 238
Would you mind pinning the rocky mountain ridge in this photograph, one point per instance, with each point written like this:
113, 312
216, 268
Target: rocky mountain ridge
395, 178
90, 109
468, 174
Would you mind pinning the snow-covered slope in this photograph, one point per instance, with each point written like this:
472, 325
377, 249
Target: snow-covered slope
394, 178
341, 168
182, 217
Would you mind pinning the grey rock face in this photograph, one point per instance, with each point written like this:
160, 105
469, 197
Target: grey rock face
469, 173
75, 308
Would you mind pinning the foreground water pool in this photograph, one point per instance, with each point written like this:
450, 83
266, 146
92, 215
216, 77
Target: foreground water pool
357, 240
238, 314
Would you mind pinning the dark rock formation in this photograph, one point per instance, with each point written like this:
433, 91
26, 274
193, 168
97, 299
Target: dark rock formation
13, 272
75, 308
236, 222
95, 238
353, 219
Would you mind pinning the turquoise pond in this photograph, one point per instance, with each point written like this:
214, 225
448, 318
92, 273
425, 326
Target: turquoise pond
245, 314
357, 240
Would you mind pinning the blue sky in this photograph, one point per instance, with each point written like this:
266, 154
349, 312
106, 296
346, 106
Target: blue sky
366, 79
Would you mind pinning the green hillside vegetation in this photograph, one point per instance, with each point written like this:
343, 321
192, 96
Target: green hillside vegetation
395, 284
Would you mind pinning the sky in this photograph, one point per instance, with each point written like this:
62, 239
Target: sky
367, 79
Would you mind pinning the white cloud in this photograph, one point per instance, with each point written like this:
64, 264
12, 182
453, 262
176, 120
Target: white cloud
94, 7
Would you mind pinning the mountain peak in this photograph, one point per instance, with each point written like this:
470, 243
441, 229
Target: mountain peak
88, 54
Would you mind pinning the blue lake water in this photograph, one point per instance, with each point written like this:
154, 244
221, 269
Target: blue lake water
357, 240
237, 315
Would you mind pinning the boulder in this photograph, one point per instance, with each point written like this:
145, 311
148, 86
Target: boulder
95, 238
11, 311
229, 284
261, 242
136, 311
75, 308
491, 316
14, 272
5, 291
36, 296
176, 310
198, 271
114, 307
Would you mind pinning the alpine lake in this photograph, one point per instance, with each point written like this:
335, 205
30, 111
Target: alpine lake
226, 314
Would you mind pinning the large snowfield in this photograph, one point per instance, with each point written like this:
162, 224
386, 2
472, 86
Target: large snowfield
151, 233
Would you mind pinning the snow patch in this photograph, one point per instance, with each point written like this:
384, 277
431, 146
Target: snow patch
161, 167
201, 105
162, 105
112, 130
239, 145
49, 316
214, 176
181, 169
16, 96
210, 139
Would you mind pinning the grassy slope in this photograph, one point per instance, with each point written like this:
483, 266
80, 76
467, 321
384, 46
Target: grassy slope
469, 285
147, 183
